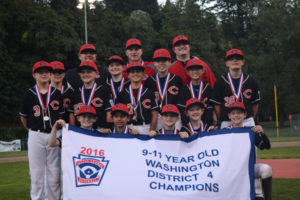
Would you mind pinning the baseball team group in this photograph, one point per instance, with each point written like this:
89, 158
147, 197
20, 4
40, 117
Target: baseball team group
136, 97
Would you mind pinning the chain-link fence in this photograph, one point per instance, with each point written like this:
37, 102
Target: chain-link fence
295, 123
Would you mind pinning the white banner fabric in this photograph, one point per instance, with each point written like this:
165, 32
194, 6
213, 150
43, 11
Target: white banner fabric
218, 165
14, 145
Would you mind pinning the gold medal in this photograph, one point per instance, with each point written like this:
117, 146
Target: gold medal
160, 106
134, 117
46, 118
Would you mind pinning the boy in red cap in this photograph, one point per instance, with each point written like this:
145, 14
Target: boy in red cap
140, 100
42, 106
115, 66
169, 117
120, 117
194, 110
235, 86
87, 52
165, 85
86, 116
182, 47
57, 75
237, 114
91, 94
134, 52
196, 89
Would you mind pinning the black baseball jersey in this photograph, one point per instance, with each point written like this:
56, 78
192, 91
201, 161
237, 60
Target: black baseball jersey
33, 111
223, 95
146, 104
185, 94
67, 95
100, 101
173, 87
187, 127
74, 79
117, 86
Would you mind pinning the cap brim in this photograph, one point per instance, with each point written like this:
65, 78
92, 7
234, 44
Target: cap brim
44, 67
120, 111
227, 58
115, 60
88, 50
181, 41
133, 45
169, 112
237, 108
135, 67
85, 67
94, 114
194, 66
196, 103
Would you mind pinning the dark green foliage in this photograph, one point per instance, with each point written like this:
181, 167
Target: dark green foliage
267, 31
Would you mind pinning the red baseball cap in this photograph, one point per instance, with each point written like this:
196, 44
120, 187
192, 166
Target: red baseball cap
134, 65
237, 105
234, 52
194, 62
41, 64
133, 42
86, 109
88, 64
87, 47
193, 101
115, 58
180, 38
120, 107
169, 108
56, 65
161, 53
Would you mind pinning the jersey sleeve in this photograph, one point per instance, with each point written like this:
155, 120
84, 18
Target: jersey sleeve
107, 99
255, 98
147, 82
71, 95
24, 107
216, 97
154, 104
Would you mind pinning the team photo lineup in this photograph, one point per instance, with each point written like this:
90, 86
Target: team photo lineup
163, 96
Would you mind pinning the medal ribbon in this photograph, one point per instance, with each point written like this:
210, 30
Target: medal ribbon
162, 91
132, 100
62, 88
39, 97
91, 94
236, 93
113, 88
125, 130
192, 130
200, 90
163, 131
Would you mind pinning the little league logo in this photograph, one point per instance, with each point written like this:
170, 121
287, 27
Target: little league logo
89, 170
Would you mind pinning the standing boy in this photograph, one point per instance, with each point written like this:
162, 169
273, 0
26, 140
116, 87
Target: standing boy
237, 114
134, 52
42, 106
196, 89
182, 48
165, 85
66, 90
91, 94
235, 86
140, 100
115, 66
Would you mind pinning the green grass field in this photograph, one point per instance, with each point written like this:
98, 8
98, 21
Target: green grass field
15, 184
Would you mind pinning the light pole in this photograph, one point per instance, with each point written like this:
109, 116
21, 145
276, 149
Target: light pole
83, 4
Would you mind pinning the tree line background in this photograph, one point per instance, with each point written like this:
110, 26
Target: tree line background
267, 31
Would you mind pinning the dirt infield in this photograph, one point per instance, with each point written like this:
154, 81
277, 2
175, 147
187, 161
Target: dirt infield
283, 168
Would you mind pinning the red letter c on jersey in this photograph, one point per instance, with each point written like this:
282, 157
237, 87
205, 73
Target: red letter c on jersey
145, 102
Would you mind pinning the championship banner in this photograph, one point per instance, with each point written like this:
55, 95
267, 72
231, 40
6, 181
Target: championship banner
14, 145
218, 165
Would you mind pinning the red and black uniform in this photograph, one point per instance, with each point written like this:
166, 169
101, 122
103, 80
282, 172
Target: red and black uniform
205, 96
178, 68
32, 110
148, 71
147, 103
188, 127
223, 94
99, 99
67, 95
172, 84
117, 88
